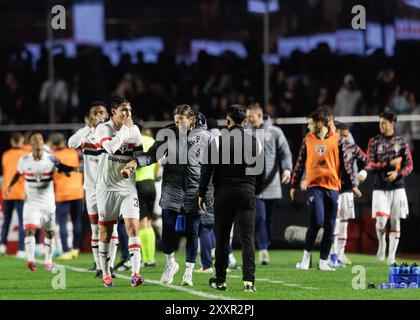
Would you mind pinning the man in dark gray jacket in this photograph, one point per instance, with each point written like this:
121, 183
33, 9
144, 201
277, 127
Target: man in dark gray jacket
181, 145
278, 158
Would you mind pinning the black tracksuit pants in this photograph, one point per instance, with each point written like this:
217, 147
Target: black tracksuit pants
235, 203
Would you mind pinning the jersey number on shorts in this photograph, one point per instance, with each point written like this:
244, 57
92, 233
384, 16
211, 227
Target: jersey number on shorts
136, 203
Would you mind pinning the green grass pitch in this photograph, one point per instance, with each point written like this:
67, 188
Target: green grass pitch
279, 280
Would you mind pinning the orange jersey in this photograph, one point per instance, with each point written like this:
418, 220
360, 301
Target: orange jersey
9, 162
68, 188
323, 162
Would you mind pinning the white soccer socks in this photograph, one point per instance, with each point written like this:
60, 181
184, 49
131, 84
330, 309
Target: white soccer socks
380, 254
49, 250
94, 243
394, 239
104, 258
30, 248
134, 248
342, 239
306, 260
114, 246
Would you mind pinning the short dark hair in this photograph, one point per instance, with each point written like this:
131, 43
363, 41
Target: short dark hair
327, 109
237, 113
35, 133
321, 115
118, 101
212, 123
311, 115
389, 115
16, 137
98, 103
341, 126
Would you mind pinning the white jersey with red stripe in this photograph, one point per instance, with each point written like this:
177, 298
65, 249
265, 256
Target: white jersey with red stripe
89, 142
39, 186
117, 150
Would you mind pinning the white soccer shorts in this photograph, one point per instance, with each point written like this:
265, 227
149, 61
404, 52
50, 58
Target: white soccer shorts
91, 204
112, 204
389, 203
346, 206
36, 217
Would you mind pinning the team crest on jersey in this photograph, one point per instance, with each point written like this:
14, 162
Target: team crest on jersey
195, 140
397, 148
268, 136
321, 149
123, 148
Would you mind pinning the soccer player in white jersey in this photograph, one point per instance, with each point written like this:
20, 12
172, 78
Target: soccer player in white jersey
87, 140
38, 168
115, 194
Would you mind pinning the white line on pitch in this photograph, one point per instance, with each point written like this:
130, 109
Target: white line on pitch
278, 282
179, 288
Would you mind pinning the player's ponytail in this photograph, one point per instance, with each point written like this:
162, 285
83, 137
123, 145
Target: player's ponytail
187, 111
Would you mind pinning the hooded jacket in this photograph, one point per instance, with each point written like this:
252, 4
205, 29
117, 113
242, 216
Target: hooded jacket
183, 156
278, 158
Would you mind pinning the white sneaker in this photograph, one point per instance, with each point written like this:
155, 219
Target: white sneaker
323, 266
264, 257
391, 260
232, 261
201, 270
187, 278
346, 260
21, 254
168, 274
2, 249
306, 261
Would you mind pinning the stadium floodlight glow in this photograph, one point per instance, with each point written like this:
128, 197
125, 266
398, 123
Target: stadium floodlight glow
89, 23
413, 3
259, 6
407, 29
216, 48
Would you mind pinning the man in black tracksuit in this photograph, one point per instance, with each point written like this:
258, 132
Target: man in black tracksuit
236, 163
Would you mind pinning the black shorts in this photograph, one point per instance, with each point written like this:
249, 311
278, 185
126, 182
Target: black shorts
146, 192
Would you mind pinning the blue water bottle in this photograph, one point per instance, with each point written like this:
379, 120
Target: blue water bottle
403, 285
180, 225
384, 286
406, 268
394, 269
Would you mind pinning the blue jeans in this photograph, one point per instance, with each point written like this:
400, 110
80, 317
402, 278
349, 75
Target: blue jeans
169, 235
75, 208
322, 204
8, 207
207, 242
260, 225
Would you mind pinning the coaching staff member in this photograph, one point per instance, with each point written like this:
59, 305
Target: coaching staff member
236, 163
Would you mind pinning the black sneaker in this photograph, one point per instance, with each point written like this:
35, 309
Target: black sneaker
112, 273
150, 264
123, 265
217, 285
99, 274
249, 286
264, 263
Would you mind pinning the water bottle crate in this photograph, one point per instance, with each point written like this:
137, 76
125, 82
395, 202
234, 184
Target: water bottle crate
407, 278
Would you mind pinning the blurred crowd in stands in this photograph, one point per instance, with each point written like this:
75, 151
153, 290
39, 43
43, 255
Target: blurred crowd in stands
351, 85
